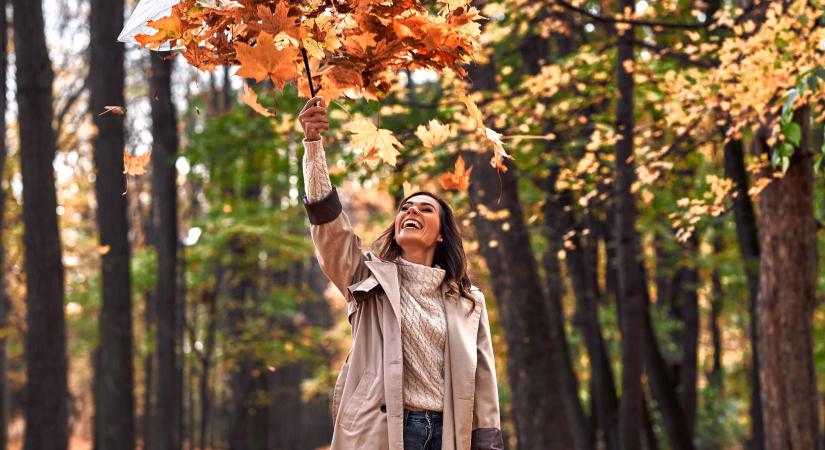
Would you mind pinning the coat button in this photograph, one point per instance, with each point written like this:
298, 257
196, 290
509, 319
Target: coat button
383, 408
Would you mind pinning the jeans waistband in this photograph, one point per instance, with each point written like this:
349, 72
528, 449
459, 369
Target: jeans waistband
427, 414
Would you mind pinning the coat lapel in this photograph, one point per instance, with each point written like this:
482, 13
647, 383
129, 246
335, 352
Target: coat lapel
387, 275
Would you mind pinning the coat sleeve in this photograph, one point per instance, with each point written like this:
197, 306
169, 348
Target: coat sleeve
337, 247
486, 417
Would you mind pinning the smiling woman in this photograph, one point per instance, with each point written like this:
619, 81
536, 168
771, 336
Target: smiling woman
422, 373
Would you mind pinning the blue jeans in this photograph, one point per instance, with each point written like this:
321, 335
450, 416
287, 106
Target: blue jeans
422, 430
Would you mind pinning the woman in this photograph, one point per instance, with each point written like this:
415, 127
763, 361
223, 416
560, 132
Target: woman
422, 374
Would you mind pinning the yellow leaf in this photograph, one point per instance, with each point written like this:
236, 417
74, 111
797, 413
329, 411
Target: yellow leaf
103, 249
313, 48
369, 138
433, 134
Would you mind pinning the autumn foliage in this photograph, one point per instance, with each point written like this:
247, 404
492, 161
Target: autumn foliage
355, 47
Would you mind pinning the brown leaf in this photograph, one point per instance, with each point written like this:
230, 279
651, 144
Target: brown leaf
118, 110
135, 165
249, 97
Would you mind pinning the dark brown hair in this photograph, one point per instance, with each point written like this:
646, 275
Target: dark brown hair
449, 253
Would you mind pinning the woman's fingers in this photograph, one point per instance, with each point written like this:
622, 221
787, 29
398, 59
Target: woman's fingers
311, 103
314, 110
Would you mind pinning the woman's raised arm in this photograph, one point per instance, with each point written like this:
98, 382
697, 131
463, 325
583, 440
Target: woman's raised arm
337, 247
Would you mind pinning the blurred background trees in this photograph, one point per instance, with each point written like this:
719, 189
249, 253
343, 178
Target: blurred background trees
649, 255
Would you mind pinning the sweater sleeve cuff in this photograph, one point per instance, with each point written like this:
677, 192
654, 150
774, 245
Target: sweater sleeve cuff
323, 210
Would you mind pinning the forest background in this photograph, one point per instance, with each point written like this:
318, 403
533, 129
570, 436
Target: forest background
639, 190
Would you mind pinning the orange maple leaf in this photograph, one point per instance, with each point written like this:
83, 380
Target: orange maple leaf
249, 97
169, 28
459, 178
279, 21
264, 60
135, 165
199, 57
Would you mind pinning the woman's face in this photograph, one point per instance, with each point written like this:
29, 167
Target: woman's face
418, 222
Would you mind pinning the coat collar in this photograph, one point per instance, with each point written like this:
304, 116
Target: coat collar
385, 273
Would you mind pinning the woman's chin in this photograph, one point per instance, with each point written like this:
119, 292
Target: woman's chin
410, 242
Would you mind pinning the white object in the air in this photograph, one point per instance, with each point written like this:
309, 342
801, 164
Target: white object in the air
145, 11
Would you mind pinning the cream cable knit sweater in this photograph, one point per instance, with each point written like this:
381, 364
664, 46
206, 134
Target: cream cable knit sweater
423, 319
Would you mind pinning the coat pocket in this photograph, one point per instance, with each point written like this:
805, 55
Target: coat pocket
336, 394
355, 405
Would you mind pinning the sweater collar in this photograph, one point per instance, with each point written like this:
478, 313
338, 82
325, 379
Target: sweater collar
426, 279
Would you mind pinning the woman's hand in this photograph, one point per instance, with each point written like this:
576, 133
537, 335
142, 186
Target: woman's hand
313, 118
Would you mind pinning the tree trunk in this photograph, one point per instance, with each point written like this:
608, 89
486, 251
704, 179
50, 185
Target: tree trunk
535, 50
663, 388
582, 267
514, 278
689, 315
787, 296
631, 281
5, 303
114, 383
568, 384
46, 390
748, 238
167, 414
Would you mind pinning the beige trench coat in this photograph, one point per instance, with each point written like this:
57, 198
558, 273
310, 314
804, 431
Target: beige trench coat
368, 404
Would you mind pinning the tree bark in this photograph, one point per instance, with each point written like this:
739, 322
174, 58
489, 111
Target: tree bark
748, 238
787, 296
535, 50
114, 382
46, 362
631, 280
582, 267
5, 303
167, 414
582, 428
514, 278
531, 366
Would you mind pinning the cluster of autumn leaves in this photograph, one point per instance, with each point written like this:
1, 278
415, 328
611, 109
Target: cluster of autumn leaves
354, 48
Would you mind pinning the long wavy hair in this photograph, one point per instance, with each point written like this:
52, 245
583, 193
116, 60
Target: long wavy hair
449, 253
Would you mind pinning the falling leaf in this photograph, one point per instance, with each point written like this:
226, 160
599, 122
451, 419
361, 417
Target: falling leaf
491, 135
499, 154
459, 178
433, 134
249, 97
135, 165
118, 110
264, 60
104, 249
472, 108
409, 188
369, 138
